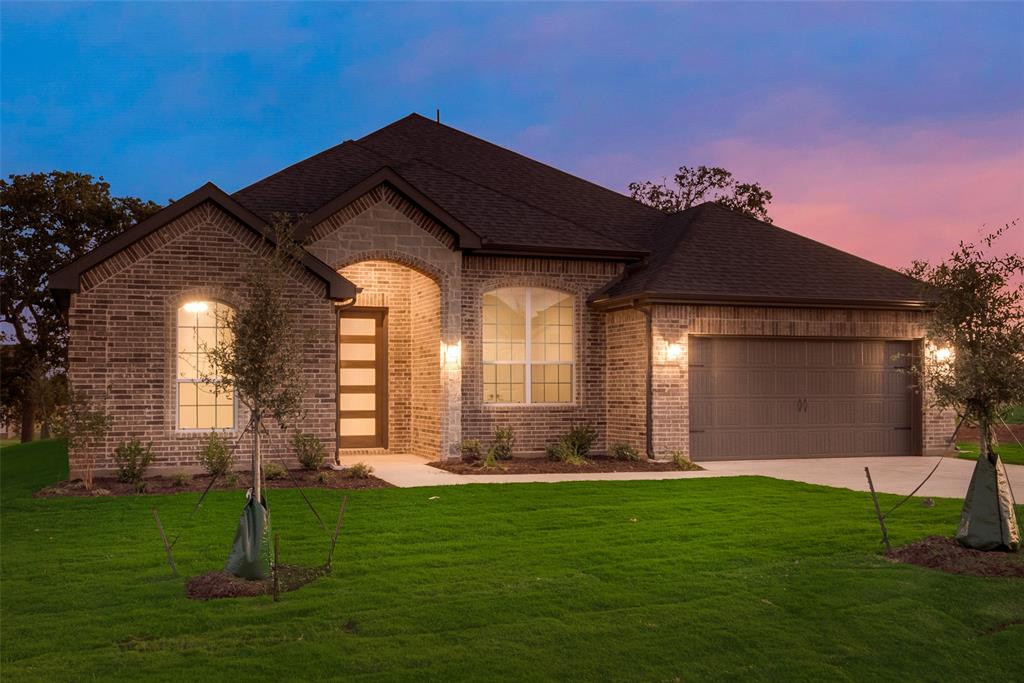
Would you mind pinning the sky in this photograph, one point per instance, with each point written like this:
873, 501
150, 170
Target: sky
890, 130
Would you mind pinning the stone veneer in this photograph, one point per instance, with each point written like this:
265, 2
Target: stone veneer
384, 230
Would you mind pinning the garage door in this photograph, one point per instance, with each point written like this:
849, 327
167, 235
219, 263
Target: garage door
786, 398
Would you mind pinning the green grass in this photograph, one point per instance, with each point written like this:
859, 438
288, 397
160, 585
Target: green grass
1010, 452
698, 579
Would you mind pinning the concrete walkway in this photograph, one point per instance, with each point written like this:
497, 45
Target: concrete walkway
897, 475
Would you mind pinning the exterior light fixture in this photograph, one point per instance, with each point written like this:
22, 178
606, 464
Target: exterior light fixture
675, 351
451, 354
943, 354
197, 307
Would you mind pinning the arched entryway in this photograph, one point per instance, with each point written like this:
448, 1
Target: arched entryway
390, 392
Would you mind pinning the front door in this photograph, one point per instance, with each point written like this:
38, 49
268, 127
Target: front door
362, 378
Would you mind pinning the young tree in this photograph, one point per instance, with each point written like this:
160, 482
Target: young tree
46, 221
259, 360
703, 184
976, 365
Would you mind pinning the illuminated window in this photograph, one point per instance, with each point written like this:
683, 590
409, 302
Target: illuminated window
528, 346
201, 405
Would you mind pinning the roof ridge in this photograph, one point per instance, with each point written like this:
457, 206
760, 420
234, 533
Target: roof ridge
521, 201
415, 115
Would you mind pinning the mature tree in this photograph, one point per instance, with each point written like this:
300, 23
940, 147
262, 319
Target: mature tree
704, 184
46, 221
976, 365
259, 361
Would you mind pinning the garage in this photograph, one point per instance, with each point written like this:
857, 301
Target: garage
801, 398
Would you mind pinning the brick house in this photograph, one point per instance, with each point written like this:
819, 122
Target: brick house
451, 286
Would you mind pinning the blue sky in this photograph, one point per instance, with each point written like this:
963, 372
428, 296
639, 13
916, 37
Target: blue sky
864, 119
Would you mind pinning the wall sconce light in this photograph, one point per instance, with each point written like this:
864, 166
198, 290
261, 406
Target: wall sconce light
675, 351
943, 354
196, 307
451, 354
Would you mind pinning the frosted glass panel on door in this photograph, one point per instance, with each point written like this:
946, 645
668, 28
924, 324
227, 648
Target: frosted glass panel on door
359, 326
358, 426
358, 401
359, 377
352, 351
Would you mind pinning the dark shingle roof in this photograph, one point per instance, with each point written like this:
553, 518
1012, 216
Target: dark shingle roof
711, 253
506, 198
512, 203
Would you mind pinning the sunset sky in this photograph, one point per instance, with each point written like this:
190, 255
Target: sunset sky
891, 131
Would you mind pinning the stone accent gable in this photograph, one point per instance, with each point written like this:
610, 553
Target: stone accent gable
383, 194
123, 336
388, 247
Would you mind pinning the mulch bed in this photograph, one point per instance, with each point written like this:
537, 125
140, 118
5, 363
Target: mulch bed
1003, 433
162, 484
224, 585
545, 466
945, 554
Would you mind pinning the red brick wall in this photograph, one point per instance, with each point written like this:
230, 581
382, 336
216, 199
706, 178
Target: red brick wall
535, 426
123, 335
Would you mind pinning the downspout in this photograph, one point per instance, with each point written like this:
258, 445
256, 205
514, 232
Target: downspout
649, 398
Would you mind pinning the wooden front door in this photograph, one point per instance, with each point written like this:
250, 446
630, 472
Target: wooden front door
362, 378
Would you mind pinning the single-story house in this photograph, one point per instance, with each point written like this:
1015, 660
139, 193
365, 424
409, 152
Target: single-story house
451, 286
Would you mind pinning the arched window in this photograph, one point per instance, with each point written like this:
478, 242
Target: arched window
528, 350
201, 404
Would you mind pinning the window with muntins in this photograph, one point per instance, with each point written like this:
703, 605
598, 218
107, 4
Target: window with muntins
528, 349
201, 404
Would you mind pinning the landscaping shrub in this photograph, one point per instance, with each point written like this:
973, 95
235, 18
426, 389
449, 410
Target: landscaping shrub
684, 463
624, 451
181, 479
472, 451
501, 447
322, 478
574, 446
216, 457
273, 471
360, 471
308, 451
132, 459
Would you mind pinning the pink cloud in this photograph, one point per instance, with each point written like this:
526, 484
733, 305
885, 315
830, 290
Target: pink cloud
893, 195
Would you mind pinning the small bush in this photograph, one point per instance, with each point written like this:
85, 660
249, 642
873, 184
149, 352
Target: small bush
132, 459
216, 457
181, 479
322, 478
624, 451
472, 451
360, 471
574, 446
501, 447
309, 451
684, 463
273, 471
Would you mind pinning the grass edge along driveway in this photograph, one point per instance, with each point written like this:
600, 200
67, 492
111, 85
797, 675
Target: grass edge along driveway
703, 579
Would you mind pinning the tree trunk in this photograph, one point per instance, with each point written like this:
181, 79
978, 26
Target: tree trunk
257, 480
988, 520
28, 419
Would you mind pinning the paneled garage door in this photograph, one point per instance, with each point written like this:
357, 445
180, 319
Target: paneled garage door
791, 398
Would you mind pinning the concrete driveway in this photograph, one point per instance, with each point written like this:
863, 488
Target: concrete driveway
897, 475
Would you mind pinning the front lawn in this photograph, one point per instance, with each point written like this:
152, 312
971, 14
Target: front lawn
1009, 451
697, 579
